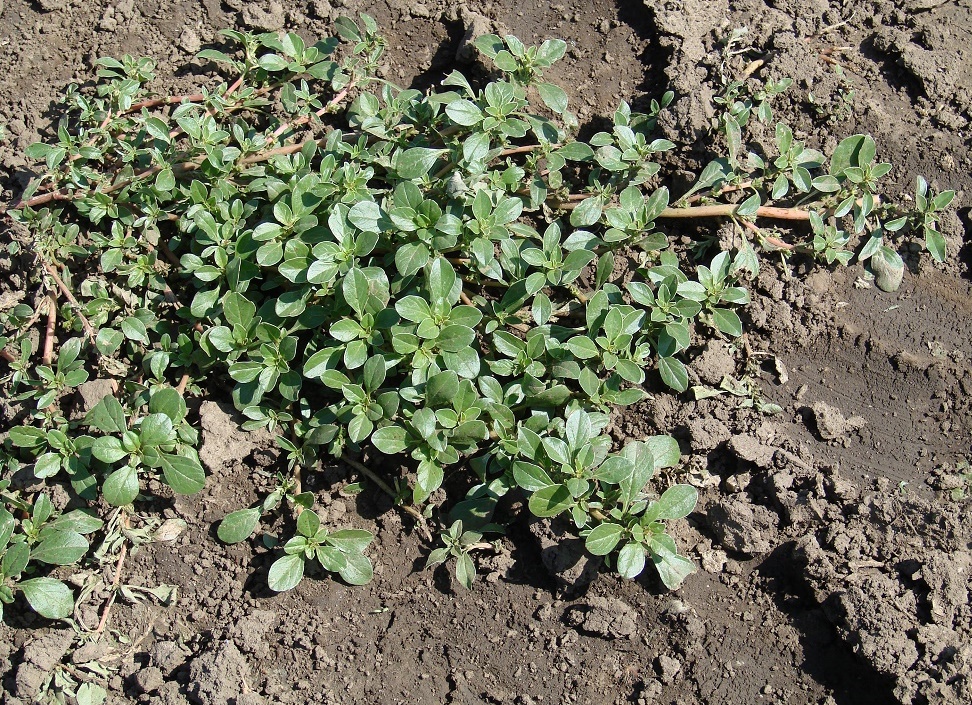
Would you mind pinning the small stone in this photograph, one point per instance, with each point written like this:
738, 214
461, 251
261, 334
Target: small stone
831, 424
149, 679
321, 9
743, 528
94, 391
420, 10
715, 363
189, 41
667, 668
606, 617
887, 275
476, 26
270, 19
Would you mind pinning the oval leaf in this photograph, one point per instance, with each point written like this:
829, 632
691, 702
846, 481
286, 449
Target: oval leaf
286, 572
238, 526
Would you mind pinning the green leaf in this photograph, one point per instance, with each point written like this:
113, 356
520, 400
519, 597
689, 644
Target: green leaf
847, 154
238, 309
48, 597
580, 429
441, 389
673, 373
390, 440
465, 570
672, 568
121, 486
631, 560
286, 572
602, 540
664, 451
7, 523
134, 329
410, 258
356, 289
165, 180
76, 520
587, 212
317, 364
350, 540
47, 465
108, 449
155, 429
357, 569
530, 477
441, 280
308, 523
464, 112
416, 162
273, 62
727, 321
553, 97
61, 548
935, 243
15, 560
239, 525
184, 475
642, 468
550, 501
27, 437
676, 502
455, 338
582, 347
365, 215
489, 44
107, 416
168, 401
748, 208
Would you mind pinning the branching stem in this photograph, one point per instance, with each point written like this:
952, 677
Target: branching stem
88, 329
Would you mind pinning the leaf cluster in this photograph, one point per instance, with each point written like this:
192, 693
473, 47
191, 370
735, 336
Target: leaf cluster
370, 270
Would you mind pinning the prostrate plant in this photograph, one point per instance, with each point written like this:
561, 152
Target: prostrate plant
376, 270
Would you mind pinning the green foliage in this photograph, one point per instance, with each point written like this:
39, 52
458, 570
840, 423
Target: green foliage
339, 552
41, 536
370, 269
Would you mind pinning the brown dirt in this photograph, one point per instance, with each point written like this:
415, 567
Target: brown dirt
834, 568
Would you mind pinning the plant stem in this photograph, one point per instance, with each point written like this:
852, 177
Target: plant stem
521, 150
364, 470
88, 329
320, 113
167, 100
117, 579
774, 241
7, 355
714, 211
49, 333
724, 210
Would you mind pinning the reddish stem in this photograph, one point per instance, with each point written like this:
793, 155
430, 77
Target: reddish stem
88, 329
49, 333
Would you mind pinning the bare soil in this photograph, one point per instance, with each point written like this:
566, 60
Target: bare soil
835, 567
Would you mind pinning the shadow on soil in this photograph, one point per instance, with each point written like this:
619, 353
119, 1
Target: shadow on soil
826, 657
